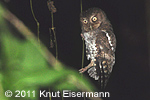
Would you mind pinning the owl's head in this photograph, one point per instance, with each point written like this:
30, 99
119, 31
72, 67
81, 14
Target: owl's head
92, 19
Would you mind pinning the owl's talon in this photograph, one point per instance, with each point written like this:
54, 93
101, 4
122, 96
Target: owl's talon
82, 35
82, 70
87, 67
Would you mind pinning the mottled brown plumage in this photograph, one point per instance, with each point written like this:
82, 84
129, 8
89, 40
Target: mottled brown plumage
100, 43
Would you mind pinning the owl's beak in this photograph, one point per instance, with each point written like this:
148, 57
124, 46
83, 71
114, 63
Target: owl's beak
91, 27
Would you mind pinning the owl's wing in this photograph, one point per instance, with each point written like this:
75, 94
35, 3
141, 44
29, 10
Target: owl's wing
105, 58
106, 41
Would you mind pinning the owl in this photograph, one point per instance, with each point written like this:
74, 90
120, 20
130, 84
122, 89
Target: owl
100, 44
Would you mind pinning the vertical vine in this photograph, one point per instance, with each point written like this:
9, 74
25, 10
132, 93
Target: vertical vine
82, 46
38, 25
52, 9
83, 42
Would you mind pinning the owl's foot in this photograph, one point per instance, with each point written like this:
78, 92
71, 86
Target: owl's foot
82, 70
82, 35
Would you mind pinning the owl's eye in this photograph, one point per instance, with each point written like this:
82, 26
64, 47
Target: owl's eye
85, 21
94, 19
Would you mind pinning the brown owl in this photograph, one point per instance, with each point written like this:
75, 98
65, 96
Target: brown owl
100, 44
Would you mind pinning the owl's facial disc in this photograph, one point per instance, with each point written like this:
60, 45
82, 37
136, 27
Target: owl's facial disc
91, 23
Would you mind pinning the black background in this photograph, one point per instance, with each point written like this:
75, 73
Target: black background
129, 79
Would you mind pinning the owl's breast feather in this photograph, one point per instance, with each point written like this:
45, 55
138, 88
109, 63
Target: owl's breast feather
90, 42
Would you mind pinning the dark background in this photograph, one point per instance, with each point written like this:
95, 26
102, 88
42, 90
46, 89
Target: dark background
130, 76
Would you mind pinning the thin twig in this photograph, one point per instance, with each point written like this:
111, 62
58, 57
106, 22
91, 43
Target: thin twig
53, 29
55, 40
82, 48
52, 9
38, 24
81, 5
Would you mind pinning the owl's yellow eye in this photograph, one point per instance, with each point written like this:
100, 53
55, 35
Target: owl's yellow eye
85, 21
94, 19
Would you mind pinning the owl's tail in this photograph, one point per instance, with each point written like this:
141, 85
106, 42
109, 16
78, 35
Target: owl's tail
100, 72
93, 73
104, 73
